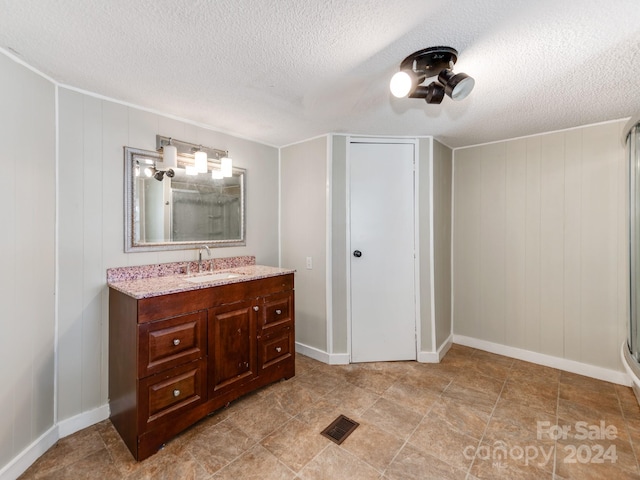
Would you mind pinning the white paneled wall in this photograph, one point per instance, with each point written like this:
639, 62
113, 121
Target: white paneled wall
540, 244
304, 234
27, 271
442, 185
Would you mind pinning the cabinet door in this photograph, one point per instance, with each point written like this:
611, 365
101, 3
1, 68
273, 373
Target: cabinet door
232, 346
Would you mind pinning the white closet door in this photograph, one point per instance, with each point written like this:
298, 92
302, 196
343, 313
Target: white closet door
383, 317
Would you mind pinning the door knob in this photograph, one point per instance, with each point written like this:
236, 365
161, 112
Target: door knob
357, 253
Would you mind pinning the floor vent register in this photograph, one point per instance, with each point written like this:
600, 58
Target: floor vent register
340, 429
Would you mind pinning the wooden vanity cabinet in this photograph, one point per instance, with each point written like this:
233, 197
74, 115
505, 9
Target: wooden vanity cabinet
173, 359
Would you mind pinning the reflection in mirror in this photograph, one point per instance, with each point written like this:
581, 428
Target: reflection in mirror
179, 208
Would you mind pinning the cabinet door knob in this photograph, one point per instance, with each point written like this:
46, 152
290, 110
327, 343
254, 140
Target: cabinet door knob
278, 349
256, 308
176, 393
176, 341
278, 312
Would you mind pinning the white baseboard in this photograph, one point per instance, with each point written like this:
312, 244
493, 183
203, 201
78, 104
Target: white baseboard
428, 357
25, 459
339, 359
19, 464
322, 356
83, 420
572, 366
436, 357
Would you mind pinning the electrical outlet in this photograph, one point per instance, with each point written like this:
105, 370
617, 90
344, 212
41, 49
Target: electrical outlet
309, 263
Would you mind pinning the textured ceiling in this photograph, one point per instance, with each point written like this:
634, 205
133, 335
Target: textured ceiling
281, 71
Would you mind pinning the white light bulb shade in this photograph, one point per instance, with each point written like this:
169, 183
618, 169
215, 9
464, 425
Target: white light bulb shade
457, 86
190, 170
201, 162
463, 88
226, 166
217, 175
170, 156
148, 172
401, 84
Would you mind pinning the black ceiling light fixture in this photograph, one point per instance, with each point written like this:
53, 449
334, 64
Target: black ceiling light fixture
431, 62
152, 171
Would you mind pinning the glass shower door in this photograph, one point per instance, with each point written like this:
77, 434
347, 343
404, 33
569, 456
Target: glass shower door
633, 141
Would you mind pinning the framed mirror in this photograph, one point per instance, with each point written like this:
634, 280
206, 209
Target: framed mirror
186, 210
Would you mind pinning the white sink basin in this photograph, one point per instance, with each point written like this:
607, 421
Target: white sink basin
212, 277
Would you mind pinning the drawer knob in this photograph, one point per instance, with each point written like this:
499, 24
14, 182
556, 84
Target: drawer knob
278, 349
176, 393
278, 312
176, 341
256, 308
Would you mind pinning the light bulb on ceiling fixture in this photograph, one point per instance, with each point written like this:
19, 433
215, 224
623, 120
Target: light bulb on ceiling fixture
226, 166
404, 83
457, 86
434, 93
201, 162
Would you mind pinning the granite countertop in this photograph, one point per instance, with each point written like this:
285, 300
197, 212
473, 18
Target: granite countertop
162, 285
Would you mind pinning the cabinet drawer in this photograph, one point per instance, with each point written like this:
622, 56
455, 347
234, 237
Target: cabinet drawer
276, 347
278, 310
168, 343
167, 394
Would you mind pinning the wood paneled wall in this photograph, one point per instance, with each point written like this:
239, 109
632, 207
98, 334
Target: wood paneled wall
540, 244
27, 271
303, 217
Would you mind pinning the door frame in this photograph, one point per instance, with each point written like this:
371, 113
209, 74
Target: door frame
416, 257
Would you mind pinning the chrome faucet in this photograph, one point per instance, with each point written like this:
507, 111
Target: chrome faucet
200, 256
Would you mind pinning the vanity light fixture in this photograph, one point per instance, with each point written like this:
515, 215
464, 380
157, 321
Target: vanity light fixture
170, 155
200, 154
426, 63
201, 161
226, 166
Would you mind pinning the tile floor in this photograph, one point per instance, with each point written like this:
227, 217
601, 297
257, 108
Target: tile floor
476, 415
